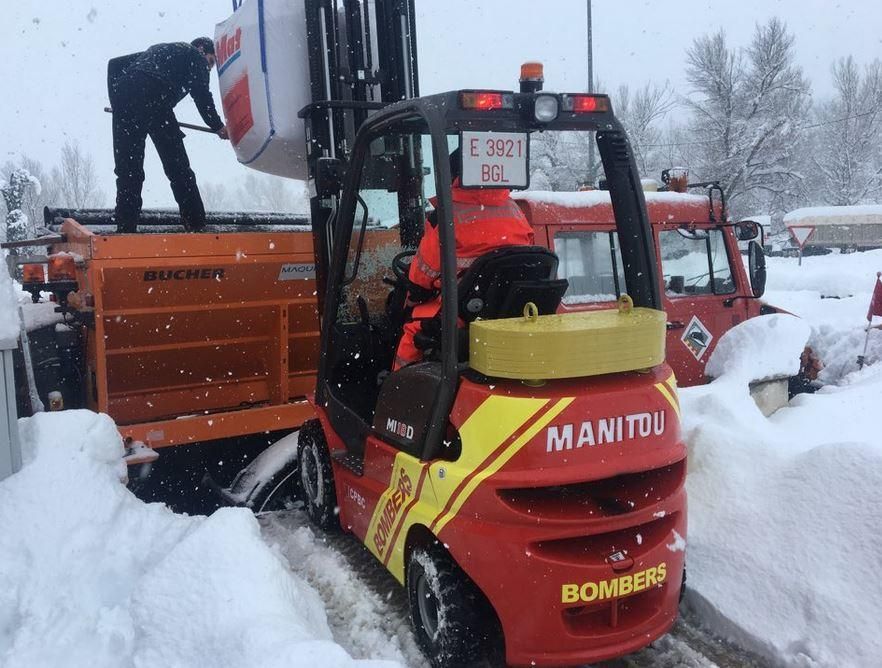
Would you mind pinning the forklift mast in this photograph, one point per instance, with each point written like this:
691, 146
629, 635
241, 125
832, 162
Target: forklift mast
362, 56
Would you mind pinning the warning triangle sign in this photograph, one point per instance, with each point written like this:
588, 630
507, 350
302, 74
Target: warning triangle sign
801, 233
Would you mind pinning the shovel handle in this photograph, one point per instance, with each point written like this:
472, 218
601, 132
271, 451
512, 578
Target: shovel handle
189, 126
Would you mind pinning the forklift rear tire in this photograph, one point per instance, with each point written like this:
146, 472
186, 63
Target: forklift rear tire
447, 610
317, 477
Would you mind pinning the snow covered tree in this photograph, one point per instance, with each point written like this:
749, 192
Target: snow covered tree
215, 197
77, 180
847, 156
263, 192
15, 190
559, 160
34, 198
748, 106
641, 112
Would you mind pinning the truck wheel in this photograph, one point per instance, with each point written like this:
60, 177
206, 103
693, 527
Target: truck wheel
317, 477
445, 609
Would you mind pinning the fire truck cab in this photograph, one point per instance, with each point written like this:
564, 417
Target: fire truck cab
706, 288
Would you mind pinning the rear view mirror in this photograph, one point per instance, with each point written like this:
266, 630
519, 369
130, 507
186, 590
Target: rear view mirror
328, 177
756, 262
746, 230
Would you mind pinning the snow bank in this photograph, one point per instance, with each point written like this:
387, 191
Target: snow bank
759, 349
9, 322
832, 294
91, 576
784, 545
830, 275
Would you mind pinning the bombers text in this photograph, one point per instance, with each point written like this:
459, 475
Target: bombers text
616, 587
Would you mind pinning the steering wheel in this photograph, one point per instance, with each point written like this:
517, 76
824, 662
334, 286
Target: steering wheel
401, 265
401, 270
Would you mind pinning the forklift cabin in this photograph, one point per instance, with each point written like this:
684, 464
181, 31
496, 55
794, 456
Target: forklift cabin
399, 163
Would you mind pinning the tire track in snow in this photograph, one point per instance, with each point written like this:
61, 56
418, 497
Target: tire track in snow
367, 609
369, 616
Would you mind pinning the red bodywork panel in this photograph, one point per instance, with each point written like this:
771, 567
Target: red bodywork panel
577, 487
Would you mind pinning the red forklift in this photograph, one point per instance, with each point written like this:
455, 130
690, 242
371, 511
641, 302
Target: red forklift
546, 442
525, 480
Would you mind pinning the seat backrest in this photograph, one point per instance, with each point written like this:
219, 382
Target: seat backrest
498, 284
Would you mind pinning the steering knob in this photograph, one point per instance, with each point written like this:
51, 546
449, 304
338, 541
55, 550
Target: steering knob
474, 305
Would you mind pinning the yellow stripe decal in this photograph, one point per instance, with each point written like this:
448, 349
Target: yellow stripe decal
666, 393
500, 461
405, 502
393, 504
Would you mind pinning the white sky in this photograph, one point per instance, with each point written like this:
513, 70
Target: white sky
53, 57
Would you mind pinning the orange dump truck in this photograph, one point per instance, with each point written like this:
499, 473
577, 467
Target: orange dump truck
180, 338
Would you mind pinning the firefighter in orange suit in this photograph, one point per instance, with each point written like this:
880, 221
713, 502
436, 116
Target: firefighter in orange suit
483, 220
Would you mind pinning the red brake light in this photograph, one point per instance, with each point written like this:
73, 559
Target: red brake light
62, 268
586, 104
486, 101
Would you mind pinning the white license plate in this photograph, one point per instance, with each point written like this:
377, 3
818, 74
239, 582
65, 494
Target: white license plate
495, 159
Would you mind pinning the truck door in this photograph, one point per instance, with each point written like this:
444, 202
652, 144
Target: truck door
698, 290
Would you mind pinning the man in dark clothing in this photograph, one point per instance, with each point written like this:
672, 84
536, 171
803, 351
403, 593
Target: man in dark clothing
144, 89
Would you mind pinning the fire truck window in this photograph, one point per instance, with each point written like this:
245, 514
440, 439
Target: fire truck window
592, 263
695, 265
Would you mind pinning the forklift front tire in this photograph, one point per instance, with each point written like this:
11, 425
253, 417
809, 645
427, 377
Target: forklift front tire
317, 477
446, 609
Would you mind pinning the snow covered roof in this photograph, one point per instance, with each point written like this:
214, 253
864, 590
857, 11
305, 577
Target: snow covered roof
866, 214
588, 198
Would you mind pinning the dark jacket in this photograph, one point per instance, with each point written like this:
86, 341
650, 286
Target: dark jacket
178, 67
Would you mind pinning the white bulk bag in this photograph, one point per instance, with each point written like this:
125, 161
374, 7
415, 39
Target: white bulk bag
263, 69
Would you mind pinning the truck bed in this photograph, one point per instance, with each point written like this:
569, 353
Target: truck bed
197, 335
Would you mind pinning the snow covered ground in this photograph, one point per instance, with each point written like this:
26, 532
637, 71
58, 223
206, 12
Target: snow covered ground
783, 539
832, 293
784, 512
92, 576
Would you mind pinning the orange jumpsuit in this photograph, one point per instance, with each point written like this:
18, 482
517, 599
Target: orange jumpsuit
483, 220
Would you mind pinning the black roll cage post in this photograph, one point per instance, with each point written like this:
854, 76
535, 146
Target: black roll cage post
357, 64
433, 121
440, 115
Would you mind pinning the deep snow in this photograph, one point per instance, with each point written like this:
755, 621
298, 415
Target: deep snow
92, 576
832, 294
784, 545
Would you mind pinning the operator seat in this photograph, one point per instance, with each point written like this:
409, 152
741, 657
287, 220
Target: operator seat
499, 284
